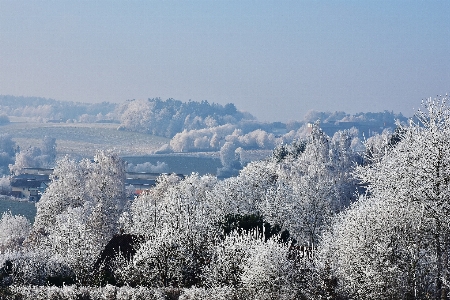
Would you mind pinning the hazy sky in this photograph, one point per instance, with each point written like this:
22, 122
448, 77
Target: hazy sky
275, 59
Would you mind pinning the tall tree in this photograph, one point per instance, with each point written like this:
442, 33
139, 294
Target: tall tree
79, 212
400, 233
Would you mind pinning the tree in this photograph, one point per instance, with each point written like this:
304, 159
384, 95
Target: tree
7, 152
376, 250
230, 160
13, 231
268, 273
399, 235
35, 157
49, 150
316, 182
79, 212
177, 224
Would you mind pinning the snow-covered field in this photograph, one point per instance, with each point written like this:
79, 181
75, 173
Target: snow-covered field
84, 139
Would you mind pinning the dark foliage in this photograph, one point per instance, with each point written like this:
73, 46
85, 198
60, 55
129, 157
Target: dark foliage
6, 294
60, 281
246, 223
121, 244
5, 273
397, 136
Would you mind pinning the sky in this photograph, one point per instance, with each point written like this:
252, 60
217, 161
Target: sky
274, 59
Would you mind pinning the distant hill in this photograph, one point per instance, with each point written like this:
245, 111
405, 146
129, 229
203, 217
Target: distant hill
44, 109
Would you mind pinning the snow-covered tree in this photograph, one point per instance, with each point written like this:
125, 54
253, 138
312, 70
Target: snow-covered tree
35, 157
5, 184
269, 273
79, 212
13, 231
227, 261
395, 242
313, 182
7, 152
49, 149
158, 262
176, 222
230, 160
148, 167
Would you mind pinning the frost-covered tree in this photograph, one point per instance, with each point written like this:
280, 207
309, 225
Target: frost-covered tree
374, 250
257, 268
25, 159
158, 262
169, 117
395, 243
35, 157
7, 152
269, 273
177, 225
13, 231
79, 212
230, 160
49, 149
313, 182
300, 188
227, 261
148, 167
210, 138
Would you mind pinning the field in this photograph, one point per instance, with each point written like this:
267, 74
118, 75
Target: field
82, 140
79, 140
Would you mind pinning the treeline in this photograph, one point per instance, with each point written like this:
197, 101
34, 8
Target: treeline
43, 110
385, 118
167, 118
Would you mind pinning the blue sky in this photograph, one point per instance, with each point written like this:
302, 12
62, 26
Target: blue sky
275, 59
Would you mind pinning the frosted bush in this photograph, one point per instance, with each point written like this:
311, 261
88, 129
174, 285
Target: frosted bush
13, 231
156, 263
245, 264
217, 293
28, 267
225, 267
108, 292
268, 273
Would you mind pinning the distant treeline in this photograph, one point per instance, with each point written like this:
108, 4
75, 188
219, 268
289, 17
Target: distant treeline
169, 117
45, 110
